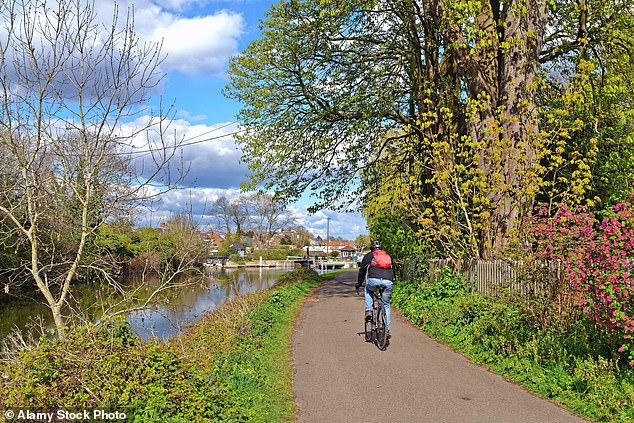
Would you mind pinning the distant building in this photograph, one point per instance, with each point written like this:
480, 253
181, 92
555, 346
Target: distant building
240, 248
347, 253
316, 251
213, 241
338, 245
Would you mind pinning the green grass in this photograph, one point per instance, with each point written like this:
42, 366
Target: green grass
565, 359
275, 402
233, 365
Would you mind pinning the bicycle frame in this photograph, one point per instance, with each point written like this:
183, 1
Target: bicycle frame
377, 330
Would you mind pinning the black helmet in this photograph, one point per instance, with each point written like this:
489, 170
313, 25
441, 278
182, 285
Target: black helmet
376, 245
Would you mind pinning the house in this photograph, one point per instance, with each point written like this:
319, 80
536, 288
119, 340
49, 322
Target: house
213, 241
347, 252
240, 248
337, 245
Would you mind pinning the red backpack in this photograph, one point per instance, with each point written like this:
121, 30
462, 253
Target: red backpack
381, 259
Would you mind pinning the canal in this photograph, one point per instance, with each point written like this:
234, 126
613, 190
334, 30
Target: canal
186, 305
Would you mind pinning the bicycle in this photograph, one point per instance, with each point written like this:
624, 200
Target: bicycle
376, 328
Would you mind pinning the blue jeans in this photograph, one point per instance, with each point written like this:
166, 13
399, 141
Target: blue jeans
370, 286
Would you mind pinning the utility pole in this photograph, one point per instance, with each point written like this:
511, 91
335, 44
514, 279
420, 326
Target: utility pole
327, 235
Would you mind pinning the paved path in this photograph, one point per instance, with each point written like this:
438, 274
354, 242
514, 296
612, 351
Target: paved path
341, 378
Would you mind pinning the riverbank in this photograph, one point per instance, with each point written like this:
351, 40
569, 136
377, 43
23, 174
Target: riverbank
285, 264
233, 365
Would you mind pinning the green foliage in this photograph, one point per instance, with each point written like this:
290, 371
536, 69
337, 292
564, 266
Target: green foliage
122, 242
285, 240
178, 245
587, 112
236, 259
274, 254
453, 120
105, 367
233, 365
400, 241
566, 359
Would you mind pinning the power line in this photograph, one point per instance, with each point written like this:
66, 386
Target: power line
185, 144
210, 131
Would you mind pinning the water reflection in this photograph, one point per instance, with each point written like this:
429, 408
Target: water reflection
23, 314
184, 305
191, 303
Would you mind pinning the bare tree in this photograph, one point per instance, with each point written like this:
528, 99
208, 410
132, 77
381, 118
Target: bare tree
260, 204
240, 213
222, 209
232, 213
68, 84
268, 215
362, 242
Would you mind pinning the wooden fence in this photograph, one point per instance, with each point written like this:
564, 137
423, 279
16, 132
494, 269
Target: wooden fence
489, 276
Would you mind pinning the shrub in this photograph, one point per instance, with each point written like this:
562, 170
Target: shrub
279, 254
563, 360
597, 261
104, 367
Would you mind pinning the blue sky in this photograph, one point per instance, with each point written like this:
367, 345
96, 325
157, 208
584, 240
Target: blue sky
199, 37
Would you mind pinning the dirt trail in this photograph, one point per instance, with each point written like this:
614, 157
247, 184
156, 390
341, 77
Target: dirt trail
341, 378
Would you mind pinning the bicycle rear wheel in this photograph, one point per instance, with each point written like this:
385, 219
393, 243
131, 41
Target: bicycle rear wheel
381, 329
368, 330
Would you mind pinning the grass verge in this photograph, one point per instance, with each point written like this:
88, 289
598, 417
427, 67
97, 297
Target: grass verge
233, 365
564, 358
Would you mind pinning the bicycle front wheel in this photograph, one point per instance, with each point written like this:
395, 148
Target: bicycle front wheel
381, 329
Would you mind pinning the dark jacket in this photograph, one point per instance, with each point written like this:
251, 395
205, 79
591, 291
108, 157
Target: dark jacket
373, 271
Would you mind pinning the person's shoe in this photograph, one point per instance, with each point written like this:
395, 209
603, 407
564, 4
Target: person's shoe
368, 315
388, 335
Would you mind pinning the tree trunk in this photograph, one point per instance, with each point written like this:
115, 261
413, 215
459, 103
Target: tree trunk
519, 124
501, 83
60, 325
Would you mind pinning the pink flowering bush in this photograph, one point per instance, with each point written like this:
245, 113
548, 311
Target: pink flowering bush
597, 265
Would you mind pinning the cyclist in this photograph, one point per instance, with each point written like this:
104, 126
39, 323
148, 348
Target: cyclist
377, 264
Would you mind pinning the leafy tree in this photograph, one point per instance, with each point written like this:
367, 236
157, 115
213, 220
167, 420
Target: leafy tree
587, 97
437, 97
362, 242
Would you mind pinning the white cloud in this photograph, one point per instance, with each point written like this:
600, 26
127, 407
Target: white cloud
201, 44
193, 45
212, 157
195, 201
186, 115
345, 225
208, 152
178, 5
